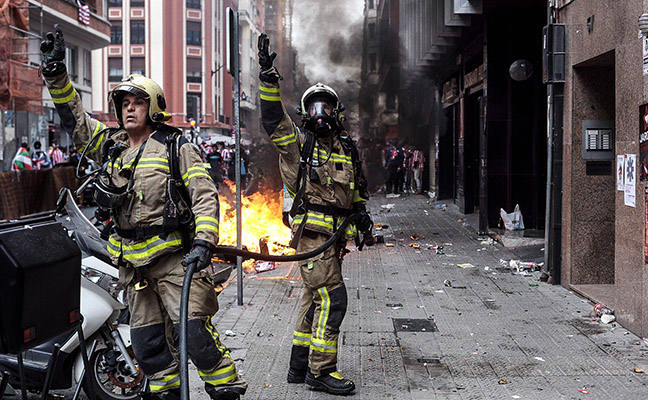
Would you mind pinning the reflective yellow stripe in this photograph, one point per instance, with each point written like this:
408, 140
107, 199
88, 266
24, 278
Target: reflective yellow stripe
357, 197
302, 339
351, 230
193, 172
210, 328
324, 346
114, 247
315, 219
290, 192
165, 383
219, 376
99, 128
208, 223
61, 91
269, 89
324, 313
65, 99
284, 140
150, 246
270, 98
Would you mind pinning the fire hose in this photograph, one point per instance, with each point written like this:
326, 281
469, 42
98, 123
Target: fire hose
245, 254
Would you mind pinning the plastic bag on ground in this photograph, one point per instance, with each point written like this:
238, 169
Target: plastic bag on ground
512, 221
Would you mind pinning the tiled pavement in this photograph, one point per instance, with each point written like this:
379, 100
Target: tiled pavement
493, 326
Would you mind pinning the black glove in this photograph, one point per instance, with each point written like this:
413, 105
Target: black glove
365, 226
201, 254
53, 51
268, 72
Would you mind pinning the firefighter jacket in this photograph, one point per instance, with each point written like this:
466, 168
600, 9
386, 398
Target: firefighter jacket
333, 182
144, 207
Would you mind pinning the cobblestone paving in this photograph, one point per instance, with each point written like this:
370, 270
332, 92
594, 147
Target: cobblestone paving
492, 325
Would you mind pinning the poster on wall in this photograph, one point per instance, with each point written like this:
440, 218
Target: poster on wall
646, 230
629, 194
645, 55
643, 142
620, 172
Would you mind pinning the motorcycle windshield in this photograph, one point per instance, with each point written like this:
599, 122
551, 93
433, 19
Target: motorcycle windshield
86, 234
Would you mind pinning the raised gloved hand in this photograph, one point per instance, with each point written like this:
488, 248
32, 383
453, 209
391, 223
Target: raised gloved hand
201, 254
53, 51
268, 72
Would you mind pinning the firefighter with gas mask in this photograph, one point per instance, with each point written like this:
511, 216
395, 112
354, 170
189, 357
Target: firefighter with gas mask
164, 207
322, 175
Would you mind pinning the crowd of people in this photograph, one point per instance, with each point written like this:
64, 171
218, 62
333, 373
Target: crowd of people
404, 169
41, 159
222, 161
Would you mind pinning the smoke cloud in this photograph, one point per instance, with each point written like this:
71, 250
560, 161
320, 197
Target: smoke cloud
328, 39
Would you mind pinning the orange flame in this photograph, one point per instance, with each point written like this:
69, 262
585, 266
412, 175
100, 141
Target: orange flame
261, 218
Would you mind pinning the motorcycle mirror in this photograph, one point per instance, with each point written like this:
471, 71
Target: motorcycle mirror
298, 110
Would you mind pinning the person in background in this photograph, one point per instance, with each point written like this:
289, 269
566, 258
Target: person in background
22, 161
417, 165
40, 159
57, 155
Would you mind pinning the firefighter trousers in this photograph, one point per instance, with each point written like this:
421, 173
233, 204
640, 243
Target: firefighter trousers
323, 306
154, 323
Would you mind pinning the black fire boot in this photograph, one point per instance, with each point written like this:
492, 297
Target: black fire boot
296, 376
223, 393
331, 382
172, 394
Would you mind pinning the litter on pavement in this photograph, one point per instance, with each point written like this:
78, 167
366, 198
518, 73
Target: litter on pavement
466, 265
263, 266
387, 206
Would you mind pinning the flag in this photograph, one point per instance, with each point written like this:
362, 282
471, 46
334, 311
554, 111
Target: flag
84, 14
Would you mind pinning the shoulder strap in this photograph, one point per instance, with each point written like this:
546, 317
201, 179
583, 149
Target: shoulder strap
305, 156
173, 142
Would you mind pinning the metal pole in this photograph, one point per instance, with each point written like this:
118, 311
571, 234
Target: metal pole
237, 160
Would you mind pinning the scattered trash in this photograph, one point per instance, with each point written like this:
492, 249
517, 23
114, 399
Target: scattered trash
539, 358
466, 265
441, 207
639, 370
519, 265
512, 221
414, 245
389, 244
515, 396
392, 305
584, 391
380, 227
431, 195
600, 309
447, 283
267, 385
229, 333
387, 206
533, 284
379, 239
488, 242
415, 236
486, 268
460, 220
607, 318
377, 312
440, 290
503, 381
263, 266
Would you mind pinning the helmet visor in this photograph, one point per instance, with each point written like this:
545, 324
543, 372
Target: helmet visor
319, 108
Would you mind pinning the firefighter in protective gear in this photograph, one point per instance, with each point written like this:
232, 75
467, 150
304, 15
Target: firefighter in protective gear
321, 173
141, 159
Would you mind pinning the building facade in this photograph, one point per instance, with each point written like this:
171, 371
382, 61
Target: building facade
38, 121
179, 44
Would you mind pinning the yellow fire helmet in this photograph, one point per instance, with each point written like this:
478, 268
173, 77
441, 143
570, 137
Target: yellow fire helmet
320, 89
141, 86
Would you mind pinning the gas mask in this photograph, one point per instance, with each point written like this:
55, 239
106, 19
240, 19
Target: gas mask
320, 117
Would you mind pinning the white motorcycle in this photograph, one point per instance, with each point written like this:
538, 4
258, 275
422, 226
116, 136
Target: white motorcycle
114, 372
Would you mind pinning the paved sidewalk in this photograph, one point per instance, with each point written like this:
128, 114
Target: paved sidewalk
493, 326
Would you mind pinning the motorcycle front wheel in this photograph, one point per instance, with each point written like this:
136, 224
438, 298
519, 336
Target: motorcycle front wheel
109, 379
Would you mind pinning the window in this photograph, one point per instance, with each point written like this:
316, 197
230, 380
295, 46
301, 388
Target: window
137, 32
87, 68
193, 33
116, 32
372, 30
114, 3
193, 106
371, 4
138, 65
72, 63
115, 70
372, 62
194, 70
137, 3
193, 4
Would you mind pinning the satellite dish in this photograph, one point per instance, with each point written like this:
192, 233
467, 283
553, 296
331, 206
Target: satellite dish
521, 70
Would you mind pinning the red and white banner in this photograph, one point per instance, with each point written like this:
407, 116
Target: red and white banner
84, 14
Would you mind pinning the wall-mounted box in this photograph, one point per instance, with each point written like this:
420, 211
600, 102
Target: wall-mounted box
598, 140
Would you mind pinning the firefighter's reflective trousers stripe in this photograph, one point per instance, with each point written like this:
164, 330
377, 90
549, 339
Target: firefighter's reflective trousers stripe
155, 313
324, 303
